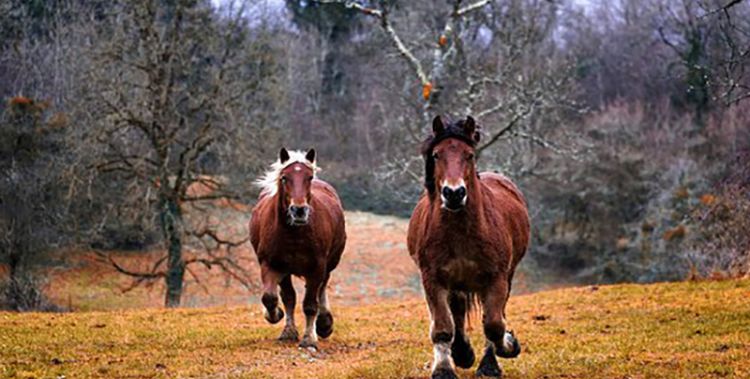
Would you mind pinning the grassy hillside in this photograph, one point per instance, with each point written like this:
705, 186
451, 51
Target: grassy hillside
626, 331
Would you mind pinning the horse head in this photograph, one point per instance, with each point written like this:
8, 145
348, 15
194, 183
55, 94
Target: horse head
295, 183
450, 160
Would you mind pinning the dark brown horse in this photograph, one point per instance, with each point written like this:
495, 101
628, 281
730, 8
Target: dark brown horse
467, 234
297, 228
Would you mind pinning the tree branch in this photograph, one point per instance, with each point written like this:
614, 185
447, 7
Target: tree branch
354, 5
141, 276
472, 7
405, 52
382, 15
507, 128
722, 8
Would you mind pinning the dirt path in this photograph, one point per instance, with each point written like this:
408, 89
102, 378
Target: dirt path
375, 266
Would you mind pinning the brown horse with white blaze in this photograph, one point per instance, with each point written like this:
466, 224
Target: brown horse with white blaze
297, 228
467, 234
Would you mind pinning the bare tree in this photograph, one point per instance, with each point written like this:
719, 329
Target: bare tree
173, 81
34, 145
456, 73
31, 203
710, 40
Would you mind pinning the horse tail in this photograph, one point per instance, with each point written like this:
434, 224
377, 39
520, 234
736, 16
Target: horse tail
472, 306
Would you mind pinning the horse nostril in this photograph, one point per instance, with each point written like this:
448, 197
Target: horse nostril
447, 192
461, 192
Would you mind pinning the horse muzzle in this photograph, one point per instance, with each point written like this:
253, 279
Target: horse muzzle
299, 215
453, 198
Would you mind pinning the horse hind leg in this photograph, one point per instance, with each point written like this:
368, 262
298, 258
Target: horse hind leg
461, 351
511, 348
289, 298
488, 366
324, 322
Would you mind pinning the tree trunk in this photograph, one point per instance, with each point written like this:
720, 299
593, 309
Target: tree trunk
171, 219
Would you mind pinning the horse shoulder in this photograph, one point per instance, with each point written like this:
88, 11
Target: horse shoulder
501, 185
417, 225
328, 223
326, 192
260, 216
326, 199
510, 211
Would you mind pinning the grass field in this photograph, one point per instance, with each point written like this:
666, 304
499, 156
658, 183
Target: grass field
689, 329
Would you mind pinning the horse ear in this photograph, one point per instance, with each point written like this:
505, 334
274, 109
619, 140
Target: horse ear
283, 155
310, 156
470, 128
437, 125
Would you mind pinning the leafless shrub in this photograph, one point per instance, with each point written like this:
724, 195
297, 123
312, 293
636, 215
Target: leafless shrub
23, 293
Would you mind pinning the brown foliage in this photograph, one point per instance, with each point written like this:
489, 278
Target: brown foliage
675, 233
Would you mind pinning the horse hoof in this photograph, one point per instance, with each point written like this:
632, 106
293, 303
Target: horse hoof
488, 367
444, 373
324, 325
489, 372
462, 353
511, 348
275, 316
289, 334
308, 343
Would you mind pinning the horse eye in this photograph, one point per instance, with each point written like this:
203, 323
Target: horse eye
471, 157
283, 180
435, 156
310, 178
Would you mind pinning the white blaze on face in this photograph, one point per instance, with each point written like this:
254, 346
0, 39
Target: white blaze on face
302, 203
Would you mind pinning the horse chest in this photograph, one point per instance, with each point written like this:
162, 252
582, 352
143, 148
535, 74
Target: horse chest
463, 264
294, 254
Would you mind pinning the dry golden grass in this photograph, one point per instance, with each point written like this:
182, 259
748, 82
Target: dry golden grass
667, 330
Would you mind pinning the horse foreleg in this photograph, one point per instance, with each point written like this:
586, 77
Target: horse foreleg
324, 322
270, 298
289, 298
441, 330
499, 340
310, 307
461, 351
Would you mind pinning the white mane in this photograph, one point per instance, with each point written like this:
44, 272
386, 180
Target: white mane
269, 183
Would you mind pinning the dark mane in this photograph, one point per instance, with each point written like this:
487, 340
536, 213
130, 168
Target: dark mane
451, 129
